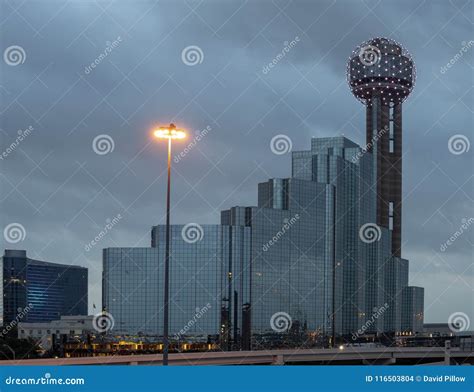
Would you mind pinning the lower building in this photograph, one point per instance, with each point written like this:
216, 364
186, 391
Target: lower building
396, 282
437, 329
40, 291
66, 328
412, 309
133, 291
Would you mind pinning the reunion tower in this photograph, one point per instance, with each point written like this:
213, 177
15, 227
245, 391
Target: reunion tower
381, 74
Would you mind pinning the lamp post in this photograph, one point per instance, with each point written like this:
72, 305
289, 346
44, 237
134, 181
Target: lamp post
169, 133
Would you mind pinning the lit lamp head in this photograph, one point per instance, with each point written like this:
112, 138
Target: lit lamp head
169, 132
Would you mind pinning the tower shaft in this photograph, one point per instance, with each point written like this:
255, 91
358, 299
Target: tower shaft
384, 138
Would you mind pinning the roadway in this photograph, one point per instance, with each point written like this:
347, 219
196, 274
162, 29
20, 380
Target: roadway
347, 356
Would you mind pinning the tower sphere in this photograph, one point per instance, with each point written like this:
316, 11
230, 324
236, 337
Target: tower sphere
381, 67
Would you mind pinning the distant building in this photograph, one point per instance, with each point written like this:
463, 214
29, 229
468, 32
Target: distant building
46, 334
395, 282
39, 291
130, 289
437, 329
413, 309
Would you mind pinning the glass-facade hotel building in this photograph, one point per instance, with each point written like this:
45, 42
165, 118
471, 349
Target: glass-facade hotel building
199, 271
299, 253
46, 290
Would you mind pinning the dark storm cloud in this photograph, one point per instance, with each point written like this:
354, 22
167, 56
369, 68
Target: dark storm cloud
62, 192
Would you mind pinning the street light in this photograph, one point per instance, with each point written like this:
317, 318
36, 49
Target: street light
169, 133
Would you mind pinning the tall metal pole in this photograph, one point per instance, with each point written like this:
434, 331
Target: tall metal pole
334, 265
167, 263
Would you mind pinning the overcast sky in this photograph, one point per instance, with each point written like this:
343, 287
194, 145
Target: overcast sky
62, 191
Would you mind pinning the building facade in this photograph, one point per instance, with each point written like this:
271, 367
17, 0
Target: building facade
413, 309
199, 291
295, 270
47, 334
46, 290
130, 289
324, 256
